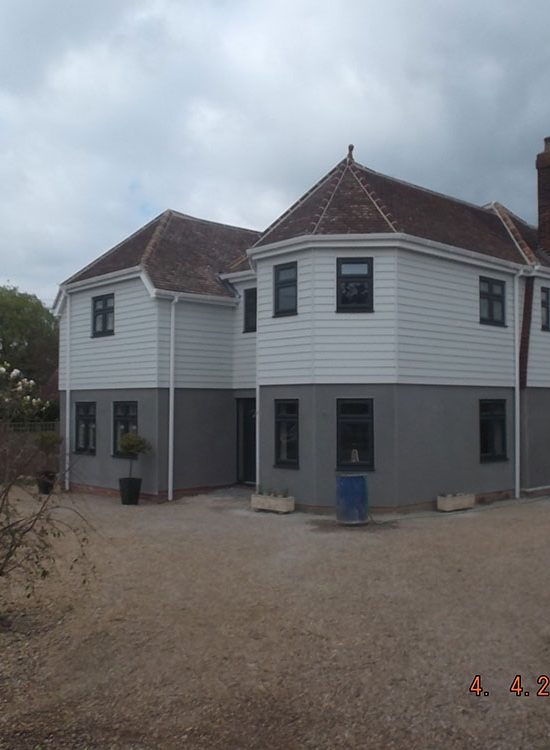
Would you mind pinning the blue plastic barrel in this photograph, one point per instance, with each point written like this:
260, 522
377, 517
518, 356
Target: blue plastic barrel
352, 499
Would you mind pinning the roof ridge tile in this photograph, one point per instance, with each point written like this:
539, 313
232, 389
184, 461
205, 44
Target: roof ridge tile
377, 201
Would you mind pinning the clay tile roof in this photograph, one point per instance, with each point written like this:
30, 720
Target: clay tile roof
179, 252
354, 199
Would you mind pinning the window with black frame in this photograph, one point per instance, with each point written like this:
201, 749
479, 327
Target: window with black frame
103, 315
355, 433
250, 305
286, 433
125, 415
491, 301
285, 289
545, 308
354, 285
85, 427
492, 430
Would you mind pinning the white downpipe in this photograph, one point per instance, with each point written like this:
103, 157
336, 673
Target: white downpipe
68, 397
517, 411
258, 480
171, 397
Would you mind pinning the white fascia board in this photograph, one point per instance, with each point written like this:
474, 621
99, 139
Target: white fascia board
248, 275
389, 240
59, 303
103, 280
209, 299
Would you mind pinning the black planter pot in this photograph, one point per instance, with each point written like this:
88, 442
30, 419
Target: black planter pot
129, 490
45, 481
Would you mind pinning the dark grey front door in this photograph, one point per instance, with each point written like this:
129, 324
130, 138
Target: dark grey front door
246, 440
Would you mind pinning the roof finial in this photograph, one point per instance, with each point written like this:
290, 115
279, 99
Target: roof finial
350, 153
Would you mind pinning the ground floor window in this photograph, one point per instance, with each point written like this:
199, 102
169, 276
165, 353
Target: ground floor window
85, 428
355, 433
492, 430
286, 433
124, 420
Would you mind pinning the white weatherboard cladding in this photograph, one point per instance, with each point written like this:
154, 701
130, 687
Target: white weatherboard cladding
204, 345
126, 359
319, 345
440, 338
244, 344
539, 344
63, 350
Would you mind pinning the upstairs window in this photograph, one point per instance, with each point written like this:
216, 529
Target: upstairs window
124, 420
250, 305
285, 289
85, 427
491, 301
355, 433
545, 308
103, 315
354, 285
286, 433
492, 430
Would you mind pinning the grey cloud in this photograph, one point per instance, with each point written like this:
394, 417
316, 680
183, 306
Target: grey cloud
111, 112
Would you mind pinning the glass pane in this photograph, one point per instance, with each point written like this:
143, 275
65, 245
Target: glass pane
361, 268
99, 323
110, 321
354, 293
485, 437
81, 436
119, 432
286, 299
354, 443
287, 408
484, 309
498, 311
288, 442
110, 302
91, 434
483, 286
98, 304
354, 408
286, 274
499, 443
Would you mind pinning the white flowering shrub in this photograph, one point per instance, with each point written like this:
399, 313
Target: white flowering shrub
19, 401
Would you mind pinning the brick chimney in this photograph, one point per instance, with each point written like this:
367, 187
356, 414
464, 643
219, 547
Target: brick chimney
543, 168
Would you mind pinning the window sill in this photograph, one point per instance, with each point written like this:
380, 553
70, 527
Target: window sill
249, 330
492, 323
285, 314
354, 310
286, 466
102, 335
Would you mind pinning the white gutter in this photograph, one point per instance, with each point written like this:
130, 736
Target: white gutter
258, 479
382, 241
171, 396
68, 396
517, 409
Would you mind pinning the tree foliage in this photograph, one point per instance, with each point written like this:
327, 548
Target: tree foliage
28, 334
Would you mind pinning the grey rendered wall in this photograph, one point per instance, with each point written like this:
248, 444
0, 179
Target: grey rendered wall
437, 442
535, 432
205, 449
426, 441
103, 469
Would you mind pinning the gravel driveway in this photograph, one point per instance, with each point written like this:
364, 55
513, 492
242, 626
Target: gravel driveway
210, 626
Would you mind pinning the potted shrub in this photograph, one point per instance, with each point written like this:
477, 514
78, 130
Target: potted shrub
48, 444
132, 445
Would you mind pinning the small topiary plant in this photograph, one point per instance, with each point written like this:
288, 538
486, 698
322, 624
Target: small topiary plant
132, 445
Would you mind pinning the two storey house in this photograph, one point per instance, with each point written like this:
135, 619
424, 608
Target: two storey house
375, 327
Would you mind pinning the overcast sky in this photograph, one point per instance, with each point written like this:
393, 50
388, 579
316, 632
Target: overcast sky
112, 111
